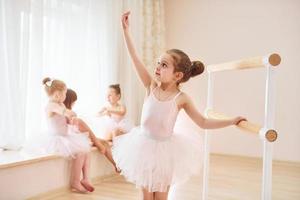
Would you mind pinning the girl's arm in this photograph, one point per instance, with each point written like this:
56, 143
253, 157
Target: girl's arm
60, 109
139, 65
120, 110
101, 112
203, 122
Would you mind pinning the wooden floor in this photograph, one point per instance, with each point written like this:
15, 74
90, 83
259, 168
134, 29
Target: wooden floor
231, 177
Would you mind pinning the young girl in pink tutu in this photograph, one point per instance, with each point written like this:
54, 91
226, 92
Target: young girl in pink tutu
152, 156
112, 119
80, 126
64, 139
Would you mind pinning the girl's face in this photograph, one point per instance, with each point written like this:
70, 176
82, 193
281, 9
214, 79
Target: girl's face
164, 71
112, 96
59, 96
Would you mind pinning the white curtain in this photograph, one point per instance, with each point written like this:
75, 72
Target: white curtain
77, 41
13, 74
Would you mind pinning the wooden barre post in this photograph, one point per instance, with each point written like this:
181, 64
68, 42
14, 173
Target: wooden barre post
270, 135
255, 62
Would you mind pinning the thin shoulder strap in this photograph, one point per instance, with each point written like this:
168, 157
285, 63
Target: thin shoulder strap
177, 95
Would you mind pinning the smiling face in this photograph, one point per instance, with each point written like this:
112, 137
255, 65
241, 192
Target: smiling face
112, 96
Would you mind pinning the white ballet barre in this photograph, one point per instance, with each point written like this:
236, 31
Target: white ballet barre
266, 132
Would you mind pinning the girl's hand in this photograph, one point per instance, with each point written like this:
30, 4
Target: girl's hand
237, 120
101, 112
69, 114
106, 112
125, 20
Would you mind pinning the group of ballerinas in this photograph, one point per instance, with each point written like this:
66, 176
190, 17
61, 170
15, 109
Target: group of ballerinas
70, 136
152, 155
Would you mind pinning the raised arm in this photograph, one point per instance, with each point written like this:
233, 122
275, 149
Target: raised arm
203, 122
141, 70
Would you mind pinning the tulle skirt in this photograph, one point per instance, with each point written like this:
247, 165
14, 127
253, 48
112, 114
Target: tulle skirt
155, 164
67, 145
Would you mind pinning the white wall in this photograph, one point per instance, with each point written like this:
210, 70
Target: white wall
217, 31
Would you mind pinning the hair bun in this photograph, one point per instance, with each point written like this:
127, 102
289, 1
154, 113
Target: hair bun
45, 80
197, 68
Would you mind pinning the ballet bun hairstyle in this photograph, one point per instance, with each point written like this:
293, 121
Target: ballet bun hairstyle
117, 88
71, 97
52, 85
182, 63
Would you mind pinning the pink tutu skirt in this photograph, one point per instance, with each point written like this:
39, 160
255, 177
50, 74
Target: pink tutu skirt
157, 163
67, 145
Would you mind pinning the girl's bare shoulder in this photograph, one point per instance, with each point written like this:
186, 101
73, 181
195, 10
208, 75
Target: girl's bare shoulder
183, 99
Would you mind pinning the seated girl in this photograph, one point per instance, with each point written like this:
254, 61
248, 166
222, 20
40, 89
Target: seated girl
81, 126
112, 119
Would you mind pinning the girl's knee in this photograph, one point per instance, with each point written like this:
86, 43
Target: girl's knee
77, 119
79, 123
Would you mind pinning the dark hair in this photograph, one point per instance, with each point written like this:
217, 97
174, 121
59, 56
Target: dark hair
71, 97
53, 85
185, 65
116, 87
